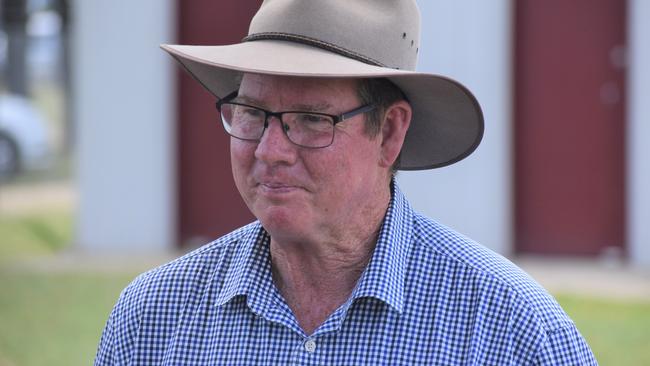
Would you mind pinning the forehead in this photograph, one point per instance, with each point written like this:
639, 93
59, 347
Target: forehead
275, 88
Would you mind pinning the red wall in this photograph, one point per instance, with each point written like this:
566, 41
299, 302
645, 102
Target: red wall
208, 202
569, 126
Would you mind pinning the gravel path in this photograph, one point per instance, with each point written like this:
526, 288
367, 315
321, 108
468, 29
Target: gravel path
610, 279
603, 278
34, 197
582, 277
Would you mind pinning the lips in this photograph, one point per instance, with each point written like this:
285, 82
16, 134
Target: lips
277, 187
276, 182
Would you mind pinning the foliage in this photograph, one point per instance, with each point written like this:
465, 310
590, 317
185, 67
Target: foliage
34, 234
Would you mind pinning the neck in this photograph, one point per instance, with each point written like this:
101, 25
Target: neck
316, 276
315, 283
320, 268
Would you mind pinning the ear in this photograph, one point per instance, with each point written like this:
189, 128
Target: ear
397, 120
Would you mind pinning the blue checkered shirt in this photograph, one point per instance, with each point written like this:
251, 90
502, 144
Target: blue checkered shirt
429, 296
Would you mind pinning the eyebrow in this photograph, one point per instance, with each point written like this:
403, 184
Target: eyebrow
317, 107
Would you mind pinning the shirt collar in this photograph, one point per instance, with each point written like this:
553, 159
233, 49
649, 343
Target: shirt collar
249, 271
384, 277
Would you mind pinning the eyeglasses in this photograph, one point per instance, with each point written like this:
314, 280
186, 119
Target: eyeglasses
306, 129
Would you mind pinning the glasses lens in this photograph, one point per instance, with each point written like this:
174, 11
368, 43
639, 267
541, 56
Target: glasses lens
242, 121
309, 129
302, 128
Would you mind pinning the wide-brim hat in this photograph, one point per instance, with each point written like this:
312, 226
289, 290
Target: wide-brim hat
349, 39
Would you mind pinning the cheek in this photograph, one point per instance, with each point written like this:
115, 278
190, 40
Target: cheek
332, 176
354, 171
241, 160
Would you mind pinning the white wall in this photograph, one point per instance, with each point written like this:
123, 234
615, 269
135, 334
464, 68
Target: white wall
124, 109
638, 128
469, 40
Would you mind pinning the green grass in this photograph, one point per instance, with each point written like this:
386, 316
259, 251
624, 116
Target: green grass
617, 331
62, 314
54, 318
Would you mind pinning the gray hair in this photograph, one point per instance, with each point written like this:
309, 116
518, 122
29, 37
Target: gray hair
382, 93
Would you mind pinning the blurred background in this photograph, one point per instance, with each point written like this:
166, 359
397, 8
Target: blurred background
113, 161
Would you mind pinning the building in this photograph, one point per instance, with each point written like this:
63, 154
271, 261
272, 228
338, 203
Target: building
561, 170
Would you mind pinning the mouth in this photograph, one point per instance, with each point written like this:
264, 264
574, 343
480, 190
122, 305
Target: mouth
277, 188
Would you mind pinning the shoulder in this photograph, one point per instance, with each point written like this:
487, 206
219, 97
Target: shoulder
487, 270
196, 266
511, 316
187, 277
156, 301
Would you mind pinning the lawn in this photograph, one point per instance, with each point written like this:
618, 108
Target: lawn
61, 315
56, 317
617, 331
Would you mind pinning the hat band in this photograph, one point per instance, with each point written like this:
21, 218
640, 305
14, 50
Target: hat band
312, 42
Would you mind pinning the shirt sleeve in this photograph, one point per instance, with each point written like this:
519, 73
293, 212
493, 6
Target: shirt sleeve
565, 346
116, 343
104, 355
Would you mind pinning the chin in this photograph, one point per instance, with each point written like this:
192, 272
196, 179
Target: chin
281, 220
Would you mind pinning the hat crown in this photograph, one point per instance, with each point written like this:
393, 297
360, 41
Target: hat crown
381, 32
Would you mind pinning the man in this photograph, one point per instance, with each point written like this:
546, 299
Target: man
338, 269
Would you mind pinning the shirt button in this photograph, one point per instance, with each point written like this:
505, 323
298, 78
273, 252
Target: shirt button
310, 346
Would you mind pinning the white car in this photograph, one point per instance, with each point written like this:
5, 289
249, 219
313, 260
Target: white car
23, 136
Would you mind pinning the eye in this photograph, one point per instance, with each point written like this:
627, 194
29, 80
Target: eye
246, 114
252, 112
313, 118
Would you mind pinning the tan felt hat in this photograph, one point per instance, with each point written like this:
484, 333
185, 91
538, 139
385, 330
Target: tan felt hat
349, 39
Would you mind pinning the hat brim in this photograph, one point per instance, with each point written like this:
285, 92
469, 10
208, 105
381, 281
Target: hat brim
447, 122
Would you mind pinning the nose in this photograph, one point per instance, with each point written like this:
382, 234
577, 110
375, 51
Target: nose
274, 146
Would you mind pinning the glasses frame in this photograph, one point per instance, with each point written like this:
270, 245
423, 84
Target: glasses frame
267, 114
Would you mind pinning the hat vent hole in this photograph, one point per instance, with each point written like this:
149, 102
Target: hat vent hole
404, 35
